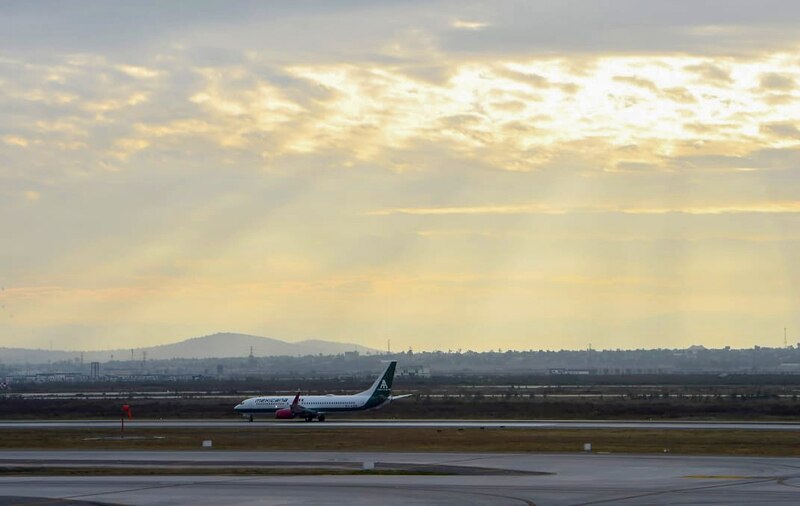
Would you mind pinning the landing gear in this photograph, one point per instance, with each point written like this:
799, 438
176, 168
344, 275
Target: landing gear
321, 418
309, 419
250, 418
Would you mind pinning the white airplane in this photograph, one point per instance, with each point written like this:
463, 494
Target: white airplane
317, 406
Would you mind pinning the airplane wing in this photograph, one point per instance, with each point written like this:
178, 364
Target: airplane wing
300, 410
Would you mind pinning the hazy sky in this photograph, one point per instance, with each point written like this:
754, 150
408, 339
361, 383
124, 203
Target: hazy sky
460, 174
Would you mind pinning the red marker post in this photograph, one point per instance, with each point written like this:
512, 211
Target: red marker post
126, 412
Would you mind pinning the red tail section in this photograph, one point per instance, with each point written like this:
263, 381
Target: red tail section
292, 411
296, 408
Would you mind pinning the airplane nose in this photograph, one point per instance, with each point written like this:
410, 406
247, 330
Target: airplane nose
239, 407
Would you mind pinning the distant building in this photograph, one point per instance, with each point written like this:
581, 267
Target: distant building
55, 377
575, 372
95, 371
416, 371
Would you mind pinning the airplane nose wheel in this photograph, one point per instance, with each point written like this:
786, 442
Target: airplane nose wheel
321, 418
250, 418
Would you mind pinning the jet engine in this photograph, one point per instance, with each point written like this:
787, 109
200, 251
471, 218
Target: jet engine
284, 414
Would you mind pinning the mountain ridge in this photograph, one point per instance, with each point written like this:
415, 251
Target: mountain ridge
218, 345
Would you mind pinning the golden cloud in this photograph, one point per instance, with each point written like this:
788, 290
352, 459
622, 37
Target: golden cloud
759, 208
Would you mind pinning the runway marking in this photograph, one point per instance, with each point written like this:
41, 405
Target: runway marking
673, 491
154, 487
782, 481
377, 488
466, 491
727, 477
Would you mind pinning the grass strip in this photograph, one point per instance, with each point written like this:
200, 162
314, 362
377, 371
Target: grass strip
686, 442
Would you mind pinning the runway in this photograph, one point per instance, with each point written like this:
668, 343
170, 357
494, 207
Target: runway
517, 479
399, 424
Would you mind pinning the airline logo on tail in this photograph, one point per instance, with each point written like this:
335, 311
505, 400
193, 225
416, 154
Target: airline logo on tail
383, 385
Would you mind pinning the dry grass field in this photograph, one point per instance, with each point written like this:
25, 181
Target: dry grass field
695, 442
631, 406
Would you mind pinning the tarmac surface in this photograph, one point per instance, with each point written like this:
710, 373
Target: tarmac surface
399, 424
497, 479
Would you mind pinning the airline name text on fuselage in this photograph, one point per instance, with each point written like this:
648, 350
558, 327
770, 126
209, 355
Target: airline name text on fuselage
272, 400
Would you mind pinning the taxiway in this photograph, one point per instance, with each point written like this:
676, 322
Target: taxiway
540, 479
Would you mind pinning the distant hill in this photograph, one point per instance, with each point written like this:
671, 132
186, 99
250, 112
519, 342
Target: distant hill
220, 345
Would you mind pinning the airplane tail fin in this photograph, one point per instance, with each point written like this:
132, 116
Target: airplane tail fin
295, 406
383, 385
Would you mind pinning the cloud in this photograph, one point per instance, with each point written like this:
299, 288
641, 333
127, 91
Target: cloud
638, 82
785, 129
32, 195
757, 208
522, 114
776, 81
328, 31
680, 94
127, 146
779, 99
590, 27
15, 140
469, 25
286, 166
138, 72
532, 79
711, 72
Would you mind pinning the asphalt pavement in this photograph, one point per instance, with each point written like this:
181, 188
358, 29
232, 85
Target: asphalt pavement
540, 479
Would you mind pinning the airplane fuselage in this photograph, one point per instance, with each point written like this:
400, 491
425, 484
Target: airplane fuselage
269, 404
317, 406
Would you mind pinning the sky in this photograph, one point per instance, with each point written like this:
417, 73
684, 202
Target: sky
444, 175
